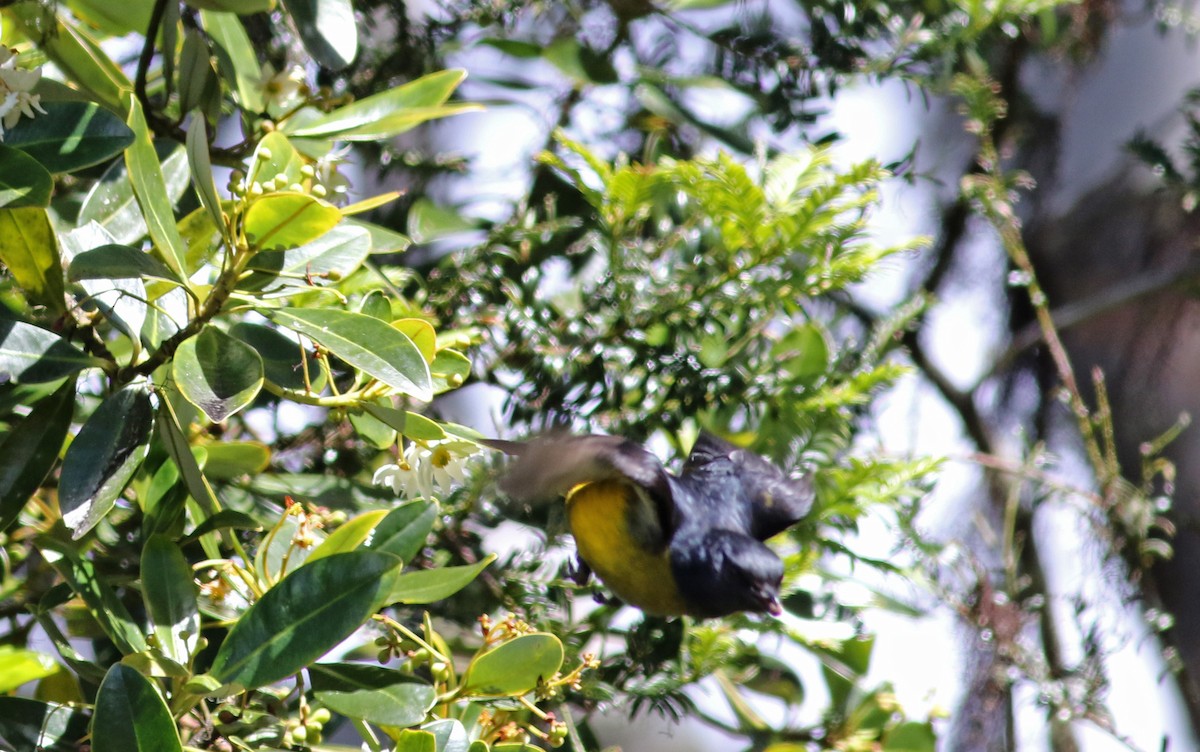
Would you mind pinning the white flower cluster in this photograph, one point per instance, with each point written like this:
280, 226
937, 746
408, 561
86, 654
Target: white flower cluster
430, 469
15, 85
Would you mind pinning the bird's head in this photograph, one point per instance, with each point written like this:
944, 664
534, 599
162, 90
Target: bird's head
721, 572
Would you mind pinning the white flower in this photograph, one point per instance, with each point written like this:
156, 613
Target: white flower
15, 85
428, 470
283, 89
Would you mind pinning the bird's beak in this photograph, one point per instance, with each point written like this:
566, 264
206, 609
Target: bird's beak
774, 608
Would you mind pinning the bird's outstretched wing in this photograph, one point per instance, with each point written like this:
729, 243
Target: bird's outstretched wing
776, 501
551, 465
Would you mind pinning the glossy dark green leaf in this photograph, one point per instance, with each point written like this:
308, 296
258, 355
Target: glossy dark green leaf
131, 715
169, 589
71, 136
23, 180
198, 85
180, 451
327, 29
281, 357
432, 585
200, 168
30, 448
117, 19
111, 203
150, 187
27, 724
107, 452
382, 696
514, 668
303, 617
32, 355
217, 373
287, 219
333, 256
366, 343
404, 530
390, 112
29, 249
235, 57
102, 603
115, 261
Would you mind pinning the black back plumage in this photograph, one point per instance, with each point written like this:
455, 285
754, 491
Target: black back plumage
715, 515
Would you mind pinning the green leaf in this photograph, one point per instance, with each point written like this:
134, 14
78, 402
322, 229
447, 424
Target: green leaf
383, 240
327, 29
390, 112
282, 362
150, 188
450, 735
513, 668
230, 519
432, 585
303, 617
131, 716
910, 737
30, 448
244, 7
235, 57
111, 203
198, 85
422, 334
428, 221
29, 250
71, 136
75, 53
348, 536
43, 726
449, 369
275, 157
412, 425
287, 219
228, 460
104, 456
413, 740
169, 590
372, 430
117, 19
376, 305
333, 256
374, 694
32, 355
19, 666
180, 452
366, 343
102, 603
23, 180
803, 351
200, 167
217, 373
114, 261
404, 530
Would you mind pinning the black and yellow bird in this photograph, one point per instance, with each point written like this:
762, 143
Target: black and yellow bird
691, 543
